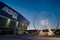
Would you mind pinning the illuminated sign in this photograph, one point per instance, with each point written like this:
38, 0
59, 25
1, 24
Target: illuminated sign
9, 11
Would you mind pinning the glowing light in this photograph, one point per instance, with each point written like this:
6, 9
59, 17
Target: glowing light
41, 32
45, 22
50, 32
16, 25
7, 23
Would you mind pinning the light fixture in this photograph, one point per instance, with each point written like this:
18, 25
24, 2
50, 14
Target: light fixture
8, 22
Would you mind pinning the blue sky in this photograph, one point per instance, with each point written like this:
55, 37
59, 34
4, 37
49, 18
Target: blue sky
29, 8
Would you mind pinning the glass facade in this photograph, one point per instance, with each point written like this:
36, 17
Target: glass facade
12, 20
2, 21
12, 24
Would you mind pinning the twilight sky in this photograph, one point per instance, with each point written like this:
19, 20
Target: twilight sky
29, 8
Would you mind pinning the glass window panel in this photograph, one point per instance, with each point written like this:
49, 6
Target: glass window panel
12, 24
2, 21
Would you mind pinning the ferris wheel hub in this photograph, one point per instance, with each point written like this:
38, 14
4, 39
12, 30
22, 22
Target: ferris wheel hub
44, 22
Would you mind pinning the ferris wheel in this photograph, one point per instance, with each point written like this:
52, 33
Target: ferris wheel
45, 20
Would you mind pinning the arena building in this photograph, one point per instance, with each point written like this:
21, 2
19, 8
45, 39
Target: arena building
11, 21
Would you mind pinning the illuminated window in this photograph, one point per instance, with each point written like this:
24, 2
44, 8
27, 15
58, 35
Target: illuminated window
12, 24
19, 28
16, 25
8, 22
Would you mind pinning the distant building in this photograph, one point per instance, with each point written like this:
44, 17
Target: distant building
11, 21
